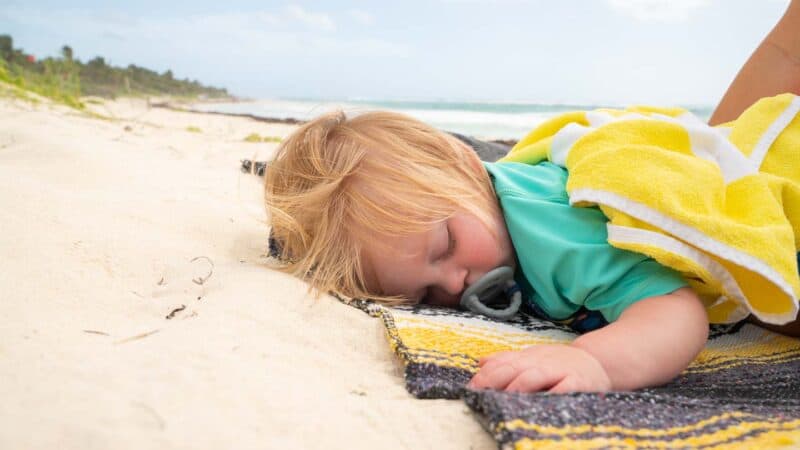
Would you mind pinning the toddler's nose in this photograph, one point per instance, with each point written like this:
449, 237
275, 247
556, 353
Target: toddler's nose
456, 283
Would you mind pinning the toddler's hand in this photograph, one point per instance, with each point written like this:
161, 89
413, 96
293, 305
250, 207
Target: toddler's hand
554, 368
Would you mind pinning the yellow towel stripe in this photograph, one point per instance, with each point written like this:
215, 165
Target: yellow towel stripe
731, 437
518, 424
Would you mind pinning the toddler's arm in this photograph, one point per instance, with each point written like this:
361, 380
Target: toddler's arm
652, 342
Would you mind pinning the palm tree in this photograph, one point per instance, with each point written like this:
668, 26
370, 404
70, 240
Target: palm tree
66, 52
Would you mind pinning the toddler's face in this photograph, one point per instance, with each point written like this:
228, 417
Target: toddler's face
435, 267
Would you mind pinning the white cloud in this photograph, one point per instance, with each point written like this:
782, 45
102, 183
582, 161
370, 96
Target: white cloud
361, 17
658, 10
315, 20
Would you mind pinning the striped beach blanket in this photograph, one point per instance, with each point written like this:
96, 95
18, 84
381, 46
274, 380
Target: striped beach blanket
742, 391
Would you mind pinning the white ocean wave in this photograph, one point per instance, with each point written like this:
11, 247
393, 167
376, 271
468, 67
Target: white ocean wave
485, 120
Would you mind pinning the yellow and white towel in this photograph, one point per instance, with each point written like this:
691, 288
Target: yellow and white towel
720, 204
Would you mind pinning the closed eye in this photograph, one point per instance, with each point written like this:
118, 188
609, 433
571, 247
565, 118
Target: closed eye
451, 244
446, 246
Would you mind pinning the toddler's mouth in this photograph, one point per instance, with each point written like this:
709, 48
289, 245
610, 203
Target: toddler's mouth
443, 299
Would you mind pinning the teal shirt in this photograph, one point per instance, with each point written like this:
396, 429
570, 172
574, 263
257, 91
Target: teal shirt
564, 259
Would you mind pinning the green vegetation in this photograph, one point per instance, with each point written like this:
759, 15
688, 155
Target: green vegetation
193, 129
65, 79
255, 137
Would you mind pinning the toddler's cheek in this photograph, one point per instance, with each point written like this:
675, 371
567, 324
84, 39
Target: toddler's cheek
487, 254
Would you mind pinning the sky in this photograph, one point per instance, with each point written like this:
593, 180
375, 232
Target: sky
546, 51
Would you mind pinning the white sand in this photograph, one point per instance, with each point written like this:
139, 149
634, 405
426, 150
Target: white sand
92, 218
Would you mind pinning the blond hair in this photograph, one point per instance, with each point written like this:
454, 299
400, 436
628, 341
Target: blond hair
338, 181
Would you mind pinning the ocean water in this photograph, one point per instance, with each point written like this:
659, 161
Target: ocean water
485, 120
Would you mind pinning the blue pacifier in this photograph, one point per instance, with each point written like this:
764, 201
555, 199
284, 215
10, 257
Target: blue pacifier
497, 287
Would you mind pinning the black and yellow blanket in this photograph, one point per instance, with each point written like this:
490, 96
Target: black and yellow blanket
742, 391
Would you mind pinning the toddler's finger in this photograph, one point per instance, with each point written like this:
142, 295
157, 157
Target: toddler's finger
567, 385
533, 379
499, 356
496, 377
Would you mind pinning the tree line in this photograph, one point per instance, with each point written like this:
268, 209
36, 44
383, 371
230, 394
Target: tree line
66, 78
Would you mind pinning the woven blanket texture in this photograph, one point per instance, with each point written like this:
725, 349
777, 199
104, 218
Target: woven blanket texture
740, 392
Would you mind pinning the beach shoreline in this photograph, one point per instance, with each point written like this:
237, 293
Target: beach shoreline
501, 122
140, 312
190, 107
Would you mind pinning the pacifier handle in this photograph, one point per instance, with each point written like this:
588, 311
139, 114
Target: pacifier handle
487, 288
